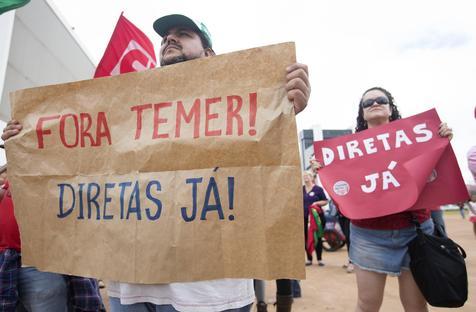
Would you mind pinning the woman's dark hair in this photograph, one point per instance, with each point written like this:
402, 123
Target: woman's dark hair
362, 124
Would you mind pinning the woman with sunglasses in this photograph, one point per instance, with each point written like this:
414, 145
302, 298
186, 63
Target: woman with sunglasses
379, 245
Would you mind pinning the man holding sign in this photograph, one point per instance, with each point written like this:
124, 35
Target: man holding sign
184, 40
383, 202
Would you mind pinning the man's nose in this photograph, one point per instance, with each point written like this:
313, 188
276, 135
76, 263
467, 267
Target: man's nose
170, 38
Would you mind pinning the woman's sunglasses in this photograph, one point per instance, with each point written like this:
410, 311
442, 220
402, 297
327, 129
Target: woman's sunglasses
381, 100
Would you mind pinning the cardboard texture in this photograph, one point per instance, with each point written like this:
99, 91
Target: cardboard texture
106, 173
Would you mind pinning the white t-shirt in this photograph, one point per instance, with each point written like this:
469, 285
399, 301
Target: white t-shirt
203, 296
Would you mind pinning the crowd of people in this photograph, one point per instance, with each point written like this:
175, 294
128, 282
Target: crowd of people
378, 249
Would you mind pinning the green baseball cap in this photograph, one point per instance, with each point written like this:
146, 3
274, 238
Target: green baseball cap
164, 23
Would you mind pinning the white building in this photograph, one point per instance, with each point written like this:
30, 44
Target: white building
38, 48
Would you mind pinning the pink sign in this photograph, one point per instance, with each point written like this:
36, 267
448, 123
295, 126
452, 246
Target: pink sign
403, 165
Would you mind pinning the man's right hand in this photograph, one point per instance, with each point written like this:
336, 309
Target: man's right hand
13, 128
298, 86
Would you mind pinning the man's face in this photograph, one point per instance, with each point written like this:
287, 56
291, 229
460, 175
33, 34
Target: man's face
179, 45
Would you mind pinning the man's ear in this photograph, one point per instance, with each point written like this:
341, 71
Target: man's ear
209, 52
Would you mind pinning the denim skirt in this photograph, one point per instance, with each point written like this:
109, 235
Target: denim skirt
383, 251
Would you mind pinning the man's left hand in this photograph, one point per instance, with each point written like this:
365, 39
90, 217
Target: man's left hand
298, 85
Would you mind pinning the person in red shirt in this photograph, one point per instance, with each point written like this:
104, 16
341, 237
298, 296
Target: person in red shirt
379, 245
9, 248
41, 291
9, 234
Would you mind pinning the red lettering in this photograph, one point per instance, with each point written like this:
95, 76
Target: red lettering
253, 108
234, 114
79, 128
158, 120
140, 109
84, 130
39, 129
190, 116
62, 130
209, 116
193, 114
102, 130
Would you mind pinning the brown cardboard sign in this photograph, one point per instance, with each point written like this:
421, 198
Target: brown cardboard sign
183, 173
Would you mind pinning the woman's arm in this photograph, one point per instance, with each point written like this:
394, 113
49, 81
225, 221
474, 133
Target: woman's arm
321, 202
321, 196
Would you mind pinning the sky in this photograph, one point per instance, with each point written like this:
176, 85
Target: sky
423, 52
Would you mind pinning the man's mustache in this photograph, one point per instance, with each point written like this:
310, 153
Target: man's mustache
172, 45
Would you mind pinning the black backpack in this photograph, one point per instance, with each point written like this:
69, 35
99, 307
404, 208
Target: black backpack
438, 267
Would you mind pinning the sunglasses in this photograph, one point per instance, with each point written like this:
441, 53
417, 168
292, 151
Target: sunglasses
381, 100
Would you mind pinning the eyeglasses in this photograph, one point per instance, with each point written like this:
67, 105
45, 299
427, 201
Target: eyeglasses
381, 100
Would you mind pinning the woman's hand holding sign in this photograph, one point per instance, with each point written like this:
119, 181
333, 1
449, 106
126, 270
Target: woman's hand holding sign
445, 131
315, 165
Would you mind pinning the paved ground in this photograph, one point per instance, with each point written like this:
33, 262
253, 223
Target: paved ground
331, 288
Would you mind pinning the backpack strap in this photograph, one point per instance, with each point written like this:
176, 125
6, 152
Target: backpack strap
420, 234
461, 250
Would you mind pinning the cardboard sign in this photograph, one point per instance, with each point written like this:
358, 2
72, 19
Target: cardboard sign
403, 165
184, 173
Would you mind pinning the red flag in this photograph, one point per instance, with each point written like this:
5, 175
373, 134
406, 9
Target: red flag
403, 165
129, 50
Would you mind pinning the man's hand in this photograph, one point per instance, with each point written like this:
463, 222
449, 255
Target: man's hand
298, 86
13, 128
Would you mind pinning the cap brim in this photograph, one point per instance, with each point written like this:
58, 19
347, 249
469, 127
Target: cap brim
163, 24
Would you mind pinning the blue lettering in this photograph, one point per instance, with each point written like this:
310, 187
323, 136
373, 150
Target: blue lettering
62, 213
92, 199
107, 200
194, 182
134, 195
123, 186
80, 197
157, 202
231, 196
212, 186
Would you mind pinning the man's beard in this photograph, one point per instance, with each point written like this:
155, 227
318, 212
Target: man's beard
179, 59
173, 60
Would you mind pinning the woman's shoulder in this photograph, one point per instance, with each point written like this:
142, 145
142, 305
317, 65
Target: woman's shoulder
317, 187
